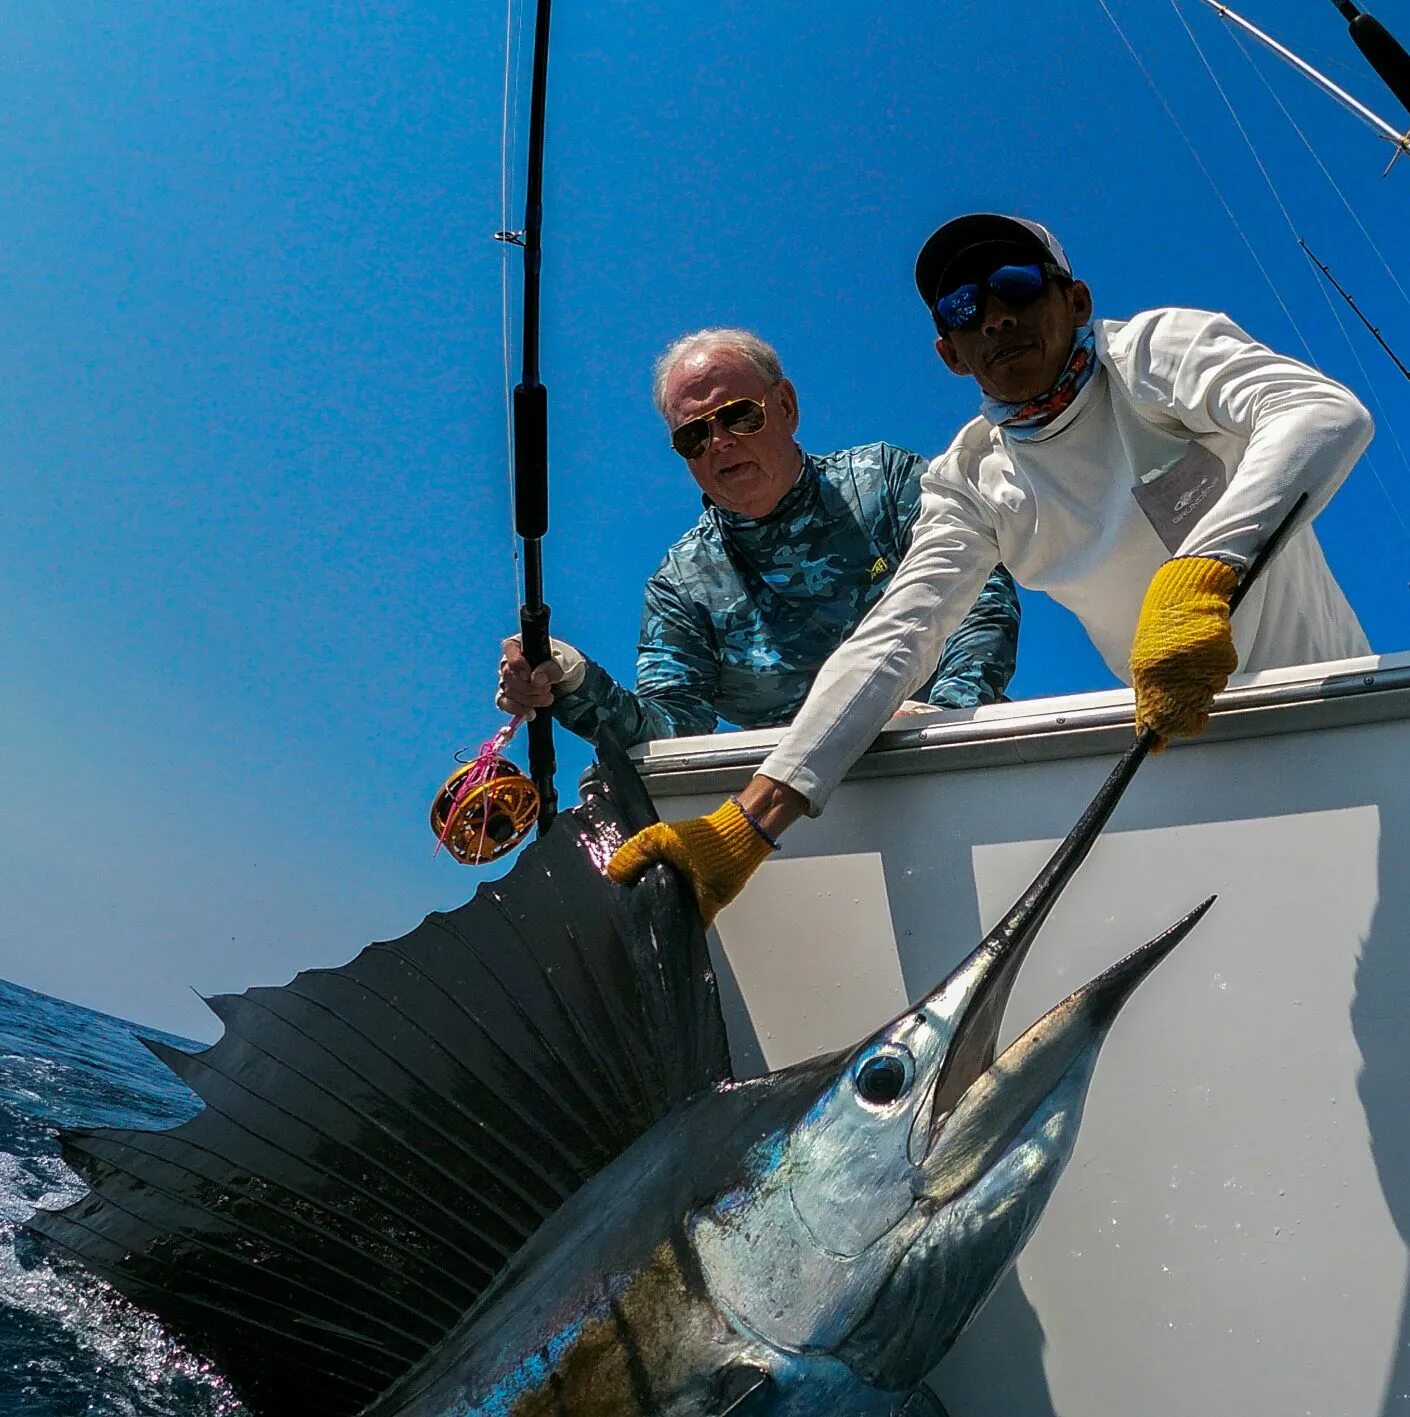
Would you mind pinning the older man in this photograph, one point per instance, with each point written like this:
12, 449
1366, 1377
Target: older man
790, 552
1130, 469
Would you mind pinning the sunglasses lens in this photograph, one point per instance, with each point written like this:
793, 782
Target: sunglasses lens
959, 310
691, 439
1014, 285
1018, 285
744, 417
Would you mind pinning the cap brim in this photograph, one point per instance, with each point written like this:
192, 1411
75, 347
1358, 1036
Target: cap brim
969, 235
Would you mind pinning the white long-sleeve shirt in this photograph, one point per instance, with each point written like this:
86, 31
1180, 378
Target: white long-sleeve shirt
1214, 433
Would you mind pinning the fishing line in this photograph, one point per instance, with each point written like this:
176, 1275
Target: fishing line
1292, 227
1208, 176
1386, 420
1248, 142
487, 806
1317, 158
1326, 60
1356, 310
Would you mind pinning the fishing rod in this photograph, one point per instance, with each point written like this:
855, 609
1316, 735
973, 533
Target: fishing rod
531, 436
1356, 309
487, 806
1385, 54
1393, 135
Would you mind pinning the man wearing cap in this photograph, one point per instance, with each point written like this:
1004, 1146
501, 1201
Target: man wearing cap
1130, 469
790, 552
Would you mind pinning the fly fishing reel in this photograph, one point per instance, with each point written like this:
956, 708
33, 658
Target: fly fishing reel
487, 806
485, 809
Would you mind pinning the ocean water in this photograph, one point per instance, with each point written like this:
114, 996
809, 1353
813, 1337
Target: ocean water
69, 1345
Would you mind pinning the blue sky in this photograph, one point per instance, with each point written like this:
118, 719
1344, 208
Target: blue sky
255, 553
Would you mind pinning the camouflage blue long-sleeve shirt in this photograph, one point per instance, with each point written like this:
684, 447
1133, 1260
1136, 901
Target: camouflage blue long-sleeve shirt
741, 614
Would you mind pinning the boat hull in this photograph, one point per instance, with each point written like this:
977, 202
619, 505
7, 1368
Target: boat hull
1230, 1234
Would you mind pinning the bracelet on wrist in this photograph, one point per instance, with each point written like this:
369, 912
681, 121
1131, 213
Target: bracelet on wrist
755, 823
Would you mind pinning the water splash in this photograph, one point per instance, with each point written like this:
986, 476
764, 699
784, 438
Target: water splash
69, 1345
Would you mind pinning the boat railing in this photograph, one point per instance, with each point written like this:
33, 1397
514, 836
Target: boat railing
1291, 700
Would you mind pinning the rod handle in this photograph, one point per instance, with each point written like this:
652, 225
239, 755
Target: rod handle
543, 758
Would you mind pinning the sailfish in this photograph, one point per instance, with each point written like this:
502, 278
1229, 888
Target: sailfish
500, 1167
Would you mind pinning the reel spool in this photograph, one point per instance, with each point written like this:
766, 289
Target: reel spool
480, 820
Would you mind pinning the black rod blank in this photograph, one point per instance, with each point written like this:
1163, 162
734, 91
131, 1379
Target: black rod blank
1385, 54
531, 435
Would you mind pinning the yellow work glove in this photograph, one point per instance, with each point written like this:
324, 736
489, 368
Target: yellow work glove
1183, 652
717, 853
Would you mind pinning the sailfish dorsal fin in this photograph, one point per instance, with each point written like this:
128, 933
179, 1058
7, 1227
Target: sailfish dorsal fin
378, 1140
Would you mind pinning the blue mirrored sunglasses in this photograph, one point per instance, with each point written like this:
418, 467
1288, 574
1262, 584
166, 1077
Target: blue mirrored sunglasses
963, 307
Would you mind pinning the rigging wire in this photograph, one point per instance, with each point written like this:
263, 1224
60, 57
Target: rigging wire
1317, 158
1378, 125
1386, 421
1208, 175
1248, 142
1292, 227
1243, 236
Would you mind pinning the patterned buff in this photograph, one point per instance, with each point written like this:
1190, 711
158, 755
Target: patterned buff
1024, 420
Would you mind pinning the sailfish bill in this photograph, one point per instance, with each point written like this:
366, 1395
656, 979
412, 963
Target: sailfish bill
1002, 1099
501, 1166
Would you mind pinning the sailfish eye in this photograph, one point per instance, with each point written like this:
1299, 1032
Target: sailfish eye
884, 1077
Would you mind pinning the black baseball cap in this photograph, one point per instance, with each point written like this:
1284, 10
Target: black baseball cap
956, 251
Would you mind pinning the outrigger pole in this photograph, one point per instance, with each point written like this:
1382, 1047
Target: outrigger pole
1386, 130
1385, 54
531, 434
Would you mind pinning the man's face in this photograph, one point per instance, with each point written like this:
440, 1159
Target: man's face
1018, 352
747, 474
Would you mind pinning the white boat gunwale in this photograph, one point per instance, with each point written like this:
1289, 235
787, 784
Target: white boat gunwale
1340, 693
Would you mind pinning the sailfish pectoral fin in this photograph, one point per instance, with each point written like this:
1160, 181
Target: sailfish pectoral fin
379, 1138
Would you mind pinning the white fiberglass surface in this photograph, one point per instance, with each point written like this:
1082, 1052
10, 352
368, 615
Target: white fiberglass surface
1229, 1235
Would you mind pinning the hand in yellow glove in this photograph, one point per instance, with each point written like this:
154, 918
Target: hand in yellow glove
1183, 652
717, 853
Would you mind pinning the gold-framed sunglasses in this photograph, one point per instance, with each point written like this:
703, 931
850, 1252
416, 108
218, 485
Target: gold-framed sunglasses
739, 416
